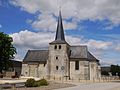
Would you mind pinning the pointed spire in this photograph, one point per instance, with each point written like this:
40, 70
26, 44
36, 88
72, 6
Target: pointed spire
60, 38
60, 31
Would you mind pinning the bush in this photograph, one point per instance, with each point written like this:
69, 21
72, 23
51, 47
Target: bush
36, 84
30, 83
42, 82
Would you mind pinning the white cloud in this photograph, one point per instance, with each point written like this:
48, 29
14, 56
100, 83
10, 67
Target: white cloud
33, 40
98, 44
25, 40
33, 6
76, 9
46, 22
69, 25
117, 47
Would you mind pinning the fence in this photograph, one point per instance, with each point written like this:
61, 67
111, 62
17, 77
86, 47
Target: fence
102, 79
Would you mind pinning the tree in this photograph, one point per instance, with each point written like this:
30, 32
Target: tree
115, 69
7, 51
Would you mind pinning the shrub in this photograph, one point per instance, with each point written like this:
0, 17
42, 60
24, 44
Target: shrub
36, 84
30, 83
42, 82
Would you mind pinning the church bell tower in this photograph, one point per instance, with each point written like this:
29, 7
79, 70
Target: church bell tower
58, 53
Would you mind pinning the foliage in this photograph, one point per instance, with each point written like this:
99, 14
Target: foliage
104, 73
7, 51
32, 83
42, 82
115, 69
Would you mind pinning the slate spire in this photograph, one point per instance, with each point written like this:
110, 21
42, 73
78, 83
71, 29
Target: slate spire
60, 37
60, 30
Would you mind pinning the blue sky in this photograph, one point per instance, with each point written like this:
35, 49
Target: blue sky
95, 23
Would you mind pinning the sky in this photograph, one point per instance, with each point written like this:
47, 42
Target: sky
95, 23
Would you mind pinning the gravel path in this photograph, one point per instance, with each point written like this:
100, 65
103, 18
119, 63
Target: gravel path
95, 86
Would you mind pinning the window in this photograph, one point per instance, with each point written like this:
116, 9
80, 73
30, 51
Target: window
76, 65
56, 58
44, 64
56, 67
59, 46
55, 47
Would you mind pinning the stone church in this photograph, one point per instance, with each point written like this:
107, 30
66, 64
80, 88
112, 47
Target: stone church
61, 60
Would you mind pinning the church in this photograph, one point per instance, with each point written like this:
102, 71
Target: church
61, 60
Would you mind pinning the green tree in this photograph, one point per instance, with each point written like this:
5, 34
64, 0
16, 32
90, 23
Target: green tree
115, 69
7, 51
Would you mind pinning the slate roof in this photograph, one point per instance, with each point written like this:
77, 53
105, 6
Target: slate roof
16, 63
78, 52
91, 57
36, 56
81, 52
59, 42
60, 31
60, 37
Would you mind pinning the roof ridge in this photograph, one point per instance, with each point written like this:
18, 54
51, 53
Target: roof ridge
38, 50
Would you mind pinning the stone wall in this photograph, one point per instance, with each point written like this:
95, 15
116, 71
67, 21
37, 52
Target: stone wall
25, 70
42, 70
82, 73
95, 72
34, 70
61, 62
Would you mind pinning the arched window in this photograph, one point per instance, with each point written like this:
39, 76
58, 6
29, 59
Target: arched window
55, 47
59, 46
56, 67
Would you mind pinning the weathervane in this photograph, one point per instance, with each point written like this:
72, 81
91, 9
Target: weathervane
59, 5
